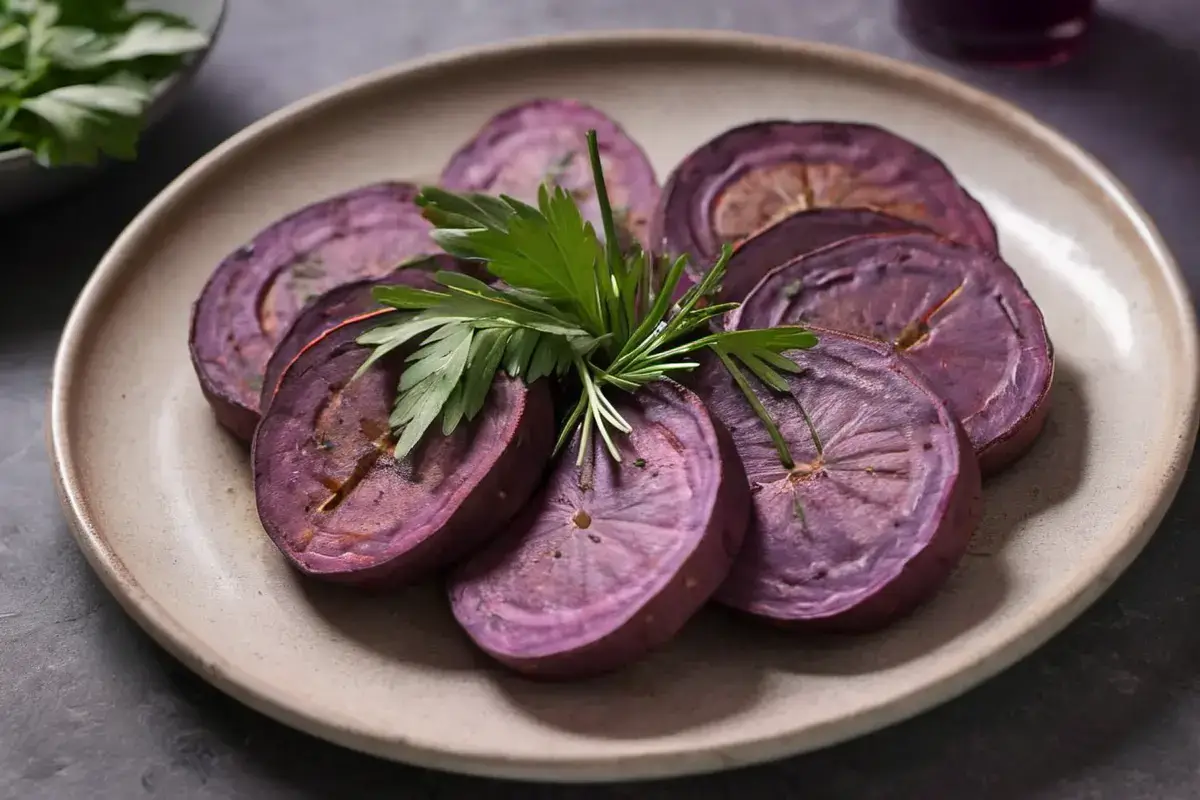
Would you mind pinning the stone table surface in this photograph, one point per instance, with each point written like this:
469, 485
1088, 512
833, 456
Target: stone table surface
91, 709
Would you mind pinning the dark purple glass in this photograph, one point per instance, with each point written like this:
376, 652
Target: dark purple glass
1017, 32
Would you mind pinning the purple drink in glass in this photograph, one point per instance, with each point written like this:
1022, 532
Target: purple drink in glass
1015, 32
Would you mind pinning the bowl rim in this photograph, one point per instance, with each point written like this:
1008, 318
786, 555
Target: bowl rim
1072, 598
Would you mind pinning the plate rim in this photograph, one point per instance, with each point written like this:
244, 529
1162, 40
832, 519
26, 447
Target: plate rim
1063, 607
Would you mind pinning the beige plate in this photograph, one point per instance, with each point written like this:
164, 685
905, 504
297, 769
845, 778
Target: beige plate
162, 499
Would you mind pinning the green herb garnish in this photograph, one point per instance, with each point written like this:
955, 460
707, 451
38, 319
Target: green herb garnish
76, 76
569, 306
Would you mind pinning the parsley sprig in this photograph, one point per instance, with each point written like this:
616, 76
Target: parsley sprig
565, 305
77, 76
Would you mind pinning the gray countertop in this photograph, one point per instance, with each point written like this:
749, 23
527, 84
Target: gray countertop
91, 708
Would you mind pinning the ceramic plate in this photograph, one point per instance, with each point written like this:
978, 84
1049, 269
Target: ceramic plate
161, 497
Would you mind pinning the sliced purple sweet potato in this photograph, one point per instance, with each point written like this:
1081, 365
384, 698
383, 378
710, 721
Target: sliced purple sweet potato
256, 292
797, 235
871, 521
338, 305
751, 176
597, 571
336, 502
960, 315
544, 141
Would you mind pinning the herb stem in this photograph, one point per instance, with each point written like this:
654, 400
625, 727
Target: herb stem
619, 381
642, 338
608, 442
607, 410
781, 446
569, 427
656, 370
611, 244
601, 410
812, 430
693, 296
585, 439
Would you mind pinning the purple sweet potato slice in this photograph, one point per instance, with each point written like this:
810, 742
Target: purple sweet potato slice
589, 579
864, 529
751, 176
543, 141
256, 292
958, 314
340, 304
340, 507
795, 236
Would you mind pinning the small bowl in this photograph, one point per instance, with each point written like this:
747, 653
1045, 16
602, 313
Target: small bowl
24, 182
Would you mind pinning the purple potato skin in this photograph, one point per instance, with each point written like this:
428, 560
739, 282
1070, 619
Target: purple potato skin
921, 550
972, 328
544, 140
798, 235
256, 292
399, 521
885, 173
582, 640
340, 304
